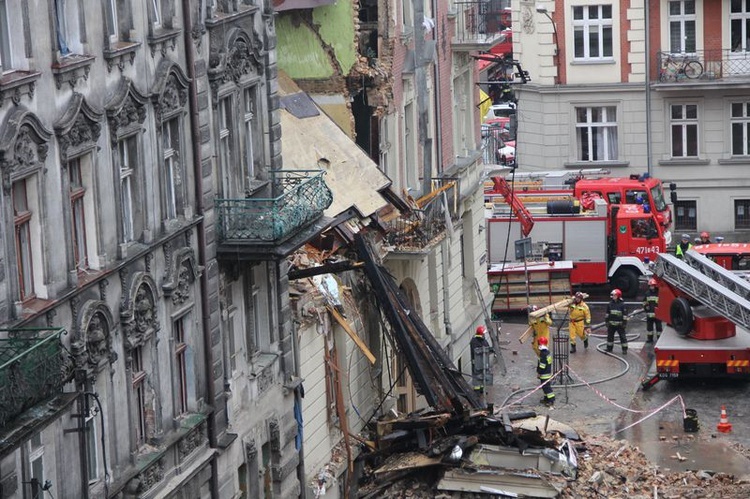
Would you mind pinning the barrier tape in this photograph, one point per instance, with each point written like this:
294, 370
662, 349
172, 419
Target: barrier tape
649, 413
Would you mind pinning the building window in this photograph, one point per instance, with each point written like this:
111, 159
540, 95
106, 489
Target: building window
410, 146
592, 31
171, 174
682, 26
113, 29
253, 145
180, 357
684, 130
36, 466
92, 447
596, 133
225, 144
407, 15
127, 150
78, 214
139, 393
5, 60
156, 13
685, 215
742, 214
739, 25
22, 218
259, 334
230, 315
740, 119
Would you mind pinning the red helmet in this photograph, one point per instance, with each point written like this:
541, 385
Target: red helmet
652, 282
542, 341
705, 235
481, 330
616, 294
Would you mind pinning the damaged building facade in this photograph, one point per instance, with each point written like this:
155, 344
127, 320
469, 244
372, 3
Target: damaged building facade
145, 341
398, 78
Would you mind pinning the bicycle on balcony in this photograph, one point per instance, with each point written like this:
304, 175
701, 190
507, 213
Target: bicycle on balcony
675, 67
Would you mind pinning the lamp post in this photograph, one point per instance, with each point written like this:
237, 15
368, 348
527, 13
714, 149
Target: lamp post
556, 59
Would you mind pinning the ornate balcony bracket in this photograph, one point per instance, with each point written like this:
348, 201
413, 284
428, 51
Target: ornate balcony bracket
118, 53
16, 84
71, 69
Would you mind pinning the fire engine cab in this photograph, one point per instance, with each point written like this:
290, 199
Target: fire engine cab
706, 310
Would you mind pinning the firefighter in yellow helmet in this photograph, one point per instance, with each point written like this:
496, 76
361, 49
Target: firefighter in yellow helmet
540, 327
579, 316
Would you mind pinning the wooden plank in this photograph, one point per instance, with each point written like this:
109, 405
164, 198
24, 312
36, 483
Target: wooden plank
525, 334
352, 334
555, 306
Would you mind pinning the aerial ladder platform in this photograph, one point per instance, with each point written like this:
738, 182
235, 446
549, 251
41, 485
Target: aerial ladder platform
706, 309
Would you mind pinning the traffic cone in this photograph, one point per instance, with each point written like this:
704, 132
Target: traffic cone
724, 425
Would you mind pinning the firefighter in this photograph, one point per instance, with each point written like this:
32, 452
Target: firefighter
540, 327
544, 372
683, 246
616, 320
479, 358
705, 238
579, 316
650, 302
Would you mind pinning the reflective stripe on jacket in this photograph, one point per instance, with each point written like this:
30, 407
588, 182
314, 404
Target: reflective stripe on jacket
616, 313
544, 368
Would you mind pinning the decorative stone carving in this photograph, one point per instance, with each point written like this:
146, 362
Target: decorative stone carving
235, 56
146, 479
138, 313
92, 346
274, 433
191, 441
181, 273
170, 90
126, 110
251, 450
23, 145
78, 128
265, 378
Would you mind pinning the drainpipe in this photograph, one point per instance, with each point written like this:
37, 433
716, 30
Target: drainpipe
647, 48
201, 235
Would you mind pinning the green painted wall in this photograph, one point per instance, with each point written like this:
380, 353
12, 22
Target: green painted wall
299, 50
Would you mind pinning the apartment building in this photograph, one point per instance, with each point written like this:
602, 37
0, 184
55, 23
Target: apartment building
146, 345
659, 87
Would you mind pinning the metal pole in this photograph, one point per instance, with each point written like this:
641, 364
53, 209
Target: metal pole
647, 48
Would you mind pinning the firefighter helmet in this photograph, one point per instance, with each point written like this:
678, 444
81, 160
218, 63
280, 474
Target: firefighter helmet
705, 235
686, 237
533, 308
481, 330
616, 294
578, 296
542, 341
652, 282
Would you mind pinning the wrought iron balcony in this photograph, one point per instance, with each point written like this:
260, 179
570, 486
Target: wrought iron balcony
479, 24
32, 369
427, 223
303, 197
704, 66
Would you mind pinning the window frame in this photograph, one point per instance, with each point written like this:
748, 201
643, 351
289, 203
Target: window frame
225, 134
608, 128
682, 20
743, 123
743, 224
76, 195
680, 220
252, 129
22, 224
589, 28
128, 183
138, 383
6, 51
113, 21
741, 18
171, 171
684, 123
180, 337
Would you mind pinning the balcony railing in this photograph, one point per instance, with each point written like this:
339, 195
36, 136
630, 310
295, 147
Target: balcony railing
479, 23
427, 223
32, 369
703, 66
304, 196
495, 147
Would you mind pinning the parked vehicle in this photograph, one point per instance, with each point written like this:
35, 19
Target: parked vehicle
499, 114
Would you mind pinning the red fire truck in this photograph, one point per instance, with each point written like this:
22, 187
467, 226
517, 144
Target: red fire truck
707, 311
594, 183
610, 243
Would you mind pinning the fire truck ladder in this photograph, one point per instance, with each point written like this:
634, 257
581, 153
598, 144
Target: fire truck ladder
527, 222
709, 283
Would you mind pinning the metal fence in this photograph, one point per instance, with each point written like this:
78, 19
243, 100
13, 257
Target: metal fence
703, 65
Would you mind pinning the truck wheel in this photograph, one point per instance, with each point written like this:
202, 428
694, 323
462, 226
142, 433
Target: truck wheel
681, 314
626, 280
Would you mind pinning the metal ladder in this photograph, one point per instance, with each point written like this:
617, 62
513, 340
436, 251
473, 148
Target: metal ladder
709, 283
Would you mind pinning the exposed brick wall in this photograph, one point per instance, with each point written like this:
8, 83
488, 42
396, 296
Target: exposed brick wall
712, 21
625, 45
444, 29
654, 36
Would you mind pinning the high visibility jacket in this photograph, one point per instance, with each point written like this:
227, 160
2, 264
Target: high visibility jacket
541, 325
616, 313
544, 367
650, 302
681, 249
579, 312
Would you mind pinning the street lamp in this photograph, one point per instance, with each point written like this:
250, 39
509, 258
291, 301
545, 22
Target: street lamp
543, 10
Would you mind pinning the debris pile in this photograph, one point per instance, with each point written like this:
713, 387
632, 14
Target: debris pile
615, 469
